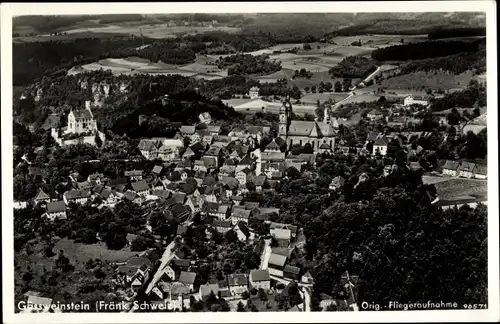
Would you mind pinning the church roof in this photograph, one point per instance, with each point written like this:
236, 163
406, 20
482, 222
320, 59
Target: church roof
310, 129
82, 114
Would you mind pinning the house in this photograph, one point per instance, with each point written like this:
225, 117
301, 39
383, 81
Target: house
240, 214
222, 212
236, 200
188, 154
135, 273
374, 115
214, 153
76, 196
259, 182
260, 279
98, 178
81, 121
481, 171
276, 264
282, 236
187, 131
174, 269
243, 176
169, 149
157, 171
131, 196
381, 146
450, 168
337, 183
253, 93
179, 297
207, 289
410, 100
291, 272
466, 169
180, 212
43, 198
141, 188
181, 230
37, 304
187, 278
56, 210
293, 229
109, 196
307, 278
205, 118
238, 283
161, 194
221, 226
134, 175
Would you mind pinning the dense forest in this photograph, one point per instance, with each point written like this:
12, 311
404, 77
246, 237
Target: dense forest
353, 67
457, 63
474, 95
457, 32
423, 50
247, 64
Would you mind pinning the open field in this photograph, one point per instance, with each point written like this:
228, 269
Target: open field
458, 189
312, 98
69, 37
252, 106
134, 65
433, 80
82, 252
153, 31
377, 40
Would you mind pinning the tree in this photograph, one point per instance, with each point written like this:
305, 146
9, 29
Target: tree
313, 89
328, 86
307, 89
245, 295
241, 307
262, 295
338, 86
306, 47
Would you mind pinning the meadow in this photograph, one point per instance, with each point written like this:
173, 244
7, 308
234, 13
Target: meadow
433, 80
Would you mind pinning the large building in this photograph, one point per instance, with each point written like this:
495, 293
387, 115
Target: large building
81, 121
315, 133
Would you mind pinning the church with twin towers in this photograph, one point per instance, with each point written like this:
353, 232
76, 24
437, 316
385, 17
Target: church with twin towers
319, 134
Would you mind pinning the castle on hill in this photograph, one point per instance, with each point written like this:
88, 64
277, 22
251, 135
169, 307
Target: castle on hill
319, 134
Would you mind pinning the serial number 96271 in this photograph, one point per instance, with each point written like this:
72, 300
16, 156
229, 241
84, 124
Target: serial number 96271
475, 306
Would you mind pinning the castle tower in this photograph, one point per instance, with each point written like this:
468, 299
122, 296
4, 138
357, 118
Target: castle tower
285, 112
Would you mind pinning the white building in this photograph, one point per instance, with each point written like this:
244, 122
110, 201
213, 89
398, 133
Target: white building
260, 279
381, 146
253, 93
81, 121
410, 100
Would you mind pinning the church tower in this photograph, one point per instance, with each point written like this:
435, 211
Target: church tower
285, 114
327, 113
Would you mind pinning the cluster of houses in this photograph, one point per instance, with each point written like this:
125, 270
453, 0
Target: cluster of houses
465, 169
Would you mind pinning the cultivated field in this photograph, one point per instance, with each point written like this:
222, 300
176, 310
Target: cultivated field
153, 31
376, 41
454, 189
433, 80
312, 98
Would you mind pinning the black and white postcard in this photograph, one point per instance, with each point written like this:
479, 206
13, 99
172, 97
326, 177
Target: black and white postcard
179, 159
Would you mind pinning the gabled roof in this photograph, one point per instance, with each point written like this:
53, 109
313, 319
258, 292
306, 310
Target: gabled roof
259, 275
187, 129
282, 234
181, 229
133, 173
82, 114
187, 277
56, 207
237, 279
292, 228
223, 224
276, 259
77, 194
451, 165
482, 169
251, 205
230, 182
179, 197
130, 195
273, 146
272, 156
240, 213
383, 141
245, 171
209, 181
161, 194
247, 160
157, 169
291, 269
259, 180
213, 151
139, 186
467, 166
41, 195
301, 128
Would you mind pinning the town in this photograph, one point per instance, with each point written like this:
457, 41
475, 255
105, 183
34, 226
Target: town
283, 207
